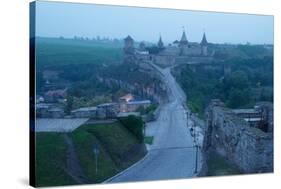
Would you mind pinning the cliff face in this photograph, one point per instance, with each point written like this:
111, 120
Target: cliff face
249, 148
155, 91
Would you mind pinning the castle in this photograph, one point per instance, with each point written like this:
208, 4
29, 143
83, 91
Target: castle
181, 51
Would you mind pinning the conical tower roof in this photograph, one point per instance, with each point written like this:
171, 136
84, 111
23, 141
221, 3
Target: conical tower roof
204, 41
128, 38
183, 40
160, 43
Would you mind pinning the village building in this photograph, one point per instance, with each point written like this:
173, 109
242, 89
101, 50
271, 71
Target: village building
56, 112
107, 110
55, 95
86, 112
42, 110
134, 105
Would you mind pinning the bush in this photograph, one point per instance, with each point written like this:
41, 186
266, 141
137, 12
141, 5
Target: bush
134, 125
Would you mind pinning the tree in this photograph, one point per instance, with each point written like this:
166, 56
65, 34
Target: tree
238, 98
69, 103
39, 81
239, 79
134, 125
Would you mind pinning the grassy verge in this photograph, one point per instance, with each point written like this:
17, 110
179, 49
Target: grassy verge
50, 160
148, 140
218, 166
118, 149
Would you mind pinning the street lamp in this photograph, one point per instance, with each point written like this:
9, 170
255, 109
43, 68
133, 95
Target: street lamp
144, 127
96, 152
196, 148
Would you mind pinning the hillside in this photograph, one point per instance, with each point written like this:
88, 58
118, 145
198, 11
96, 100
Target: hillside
249, 81
118, 147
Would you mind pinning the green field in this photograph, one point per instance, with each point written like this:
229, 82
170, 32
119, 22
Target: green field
119, 149
148, 140
54, 51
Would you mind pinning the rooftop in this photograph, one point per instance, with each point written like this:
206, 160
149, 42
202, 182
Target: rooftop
245, 111
93, 108
140, 102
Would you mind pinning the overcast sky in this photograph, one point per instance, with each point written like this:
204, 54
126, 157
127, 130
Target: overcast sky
55, 19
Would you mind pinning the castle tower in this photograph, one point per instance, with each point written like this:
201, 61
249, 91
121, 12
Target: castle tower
183, 44
204, 46
183, 41
160, 43
142, 46
129, 45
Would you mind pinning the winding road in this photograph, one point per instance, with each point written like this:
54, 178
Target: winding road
172, 154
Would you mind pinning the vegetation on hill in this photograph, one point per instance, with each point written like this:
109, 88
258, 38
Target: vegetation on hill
135, 125
249, 81
118, 149
80, 67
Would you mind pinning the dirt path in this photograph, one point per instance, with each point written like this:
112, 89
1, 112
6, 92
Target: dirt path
73, 166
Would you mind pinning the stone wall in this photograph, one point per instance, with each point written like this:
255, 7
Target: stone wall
164, 60
249, 148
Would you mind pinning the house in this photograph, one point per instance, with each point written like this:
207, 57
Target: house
107, 110
134, 105
55, 95
85, 112
48, 110
127, 97
56, 112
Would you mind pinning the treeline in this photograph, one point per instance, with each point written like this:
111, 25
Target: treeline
249, 81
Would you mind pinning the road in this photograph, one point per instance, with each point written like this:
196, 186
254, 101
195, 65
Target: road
172, 154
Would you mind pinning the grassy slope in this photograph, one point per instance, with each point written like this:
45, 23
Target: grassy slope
218, 166
50, 160
115, 155
114, 141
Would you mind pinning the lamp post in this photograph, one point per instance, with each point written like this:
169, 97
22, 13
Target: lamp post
187, 117
144, 125
196, 148
96, 152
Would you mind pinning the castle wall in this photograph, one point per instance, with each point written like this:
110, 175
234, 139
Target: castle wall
204, 51
192, 60
249, 148
164, 60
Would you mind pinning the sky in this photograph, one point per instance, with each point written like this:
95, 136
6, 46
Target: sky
54, 19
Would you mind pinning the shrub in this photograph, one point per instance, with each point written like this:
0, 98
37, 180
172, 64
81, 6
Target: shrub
134, 125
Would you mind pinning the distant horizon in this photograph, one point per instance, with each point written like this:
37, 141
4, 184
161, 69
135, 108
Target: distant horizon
55, 19
146, 41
